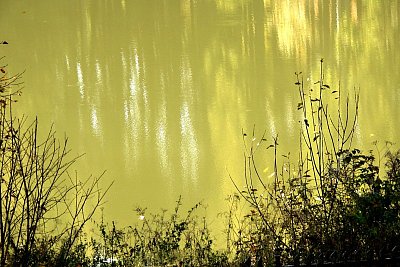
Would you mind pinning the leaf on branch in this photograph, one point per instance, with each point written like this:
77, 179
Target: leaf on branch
334, 91
297, 83
300, 105
326, 86
306, 122
315, 99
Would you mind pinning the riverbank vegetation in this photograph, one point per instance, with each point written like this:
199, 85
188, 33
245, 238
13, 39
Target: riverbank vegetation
44, 208
330, 203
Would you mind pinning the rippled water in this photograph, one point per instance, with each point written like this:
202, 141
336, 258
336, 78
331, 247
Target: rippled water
157, 92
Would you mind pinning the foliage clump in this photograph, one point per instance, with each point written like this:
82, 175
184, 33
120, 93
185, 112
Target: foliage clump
335, 204
160, 239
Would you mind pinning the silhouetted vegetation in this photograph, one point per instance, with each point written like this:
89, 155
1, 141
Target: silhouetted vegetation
43, 208
330, 203
334, 203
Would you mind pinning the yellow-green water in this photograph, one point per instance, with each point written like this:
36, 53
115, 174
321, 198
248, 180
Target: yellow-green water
157, 92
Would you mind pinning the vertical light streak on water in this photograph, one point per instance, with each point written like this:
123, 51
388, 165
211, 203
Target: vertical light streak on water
80, 80
124, 68
67, 62
146, 112
94, 101
125, 105
271, 118
161, 132
88, 22
292, 27
161, 141
252, 24
187, 16
337, 17
337, 48
140, 70
132, 110
123, 5
96, 128
289, 119
59, 74
189, 147
99, 75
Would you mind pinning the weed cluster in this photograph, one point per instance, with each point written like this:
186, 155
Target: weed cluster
332, 205
158, 240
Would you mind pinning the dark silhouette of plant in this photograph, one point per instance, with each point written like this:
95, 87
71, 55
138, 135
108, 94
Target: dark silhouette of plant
332, 202
160, 239
42, 207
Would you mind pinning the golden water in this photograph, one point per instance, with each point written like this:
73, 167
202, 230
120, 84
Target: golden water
157, 92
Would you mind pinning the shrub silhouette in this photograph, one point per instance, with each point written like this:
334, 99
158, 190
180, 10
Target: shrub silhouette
43, 208
331, 204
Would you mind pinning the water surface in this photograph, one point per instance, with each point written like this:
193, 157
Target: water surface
157, 92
